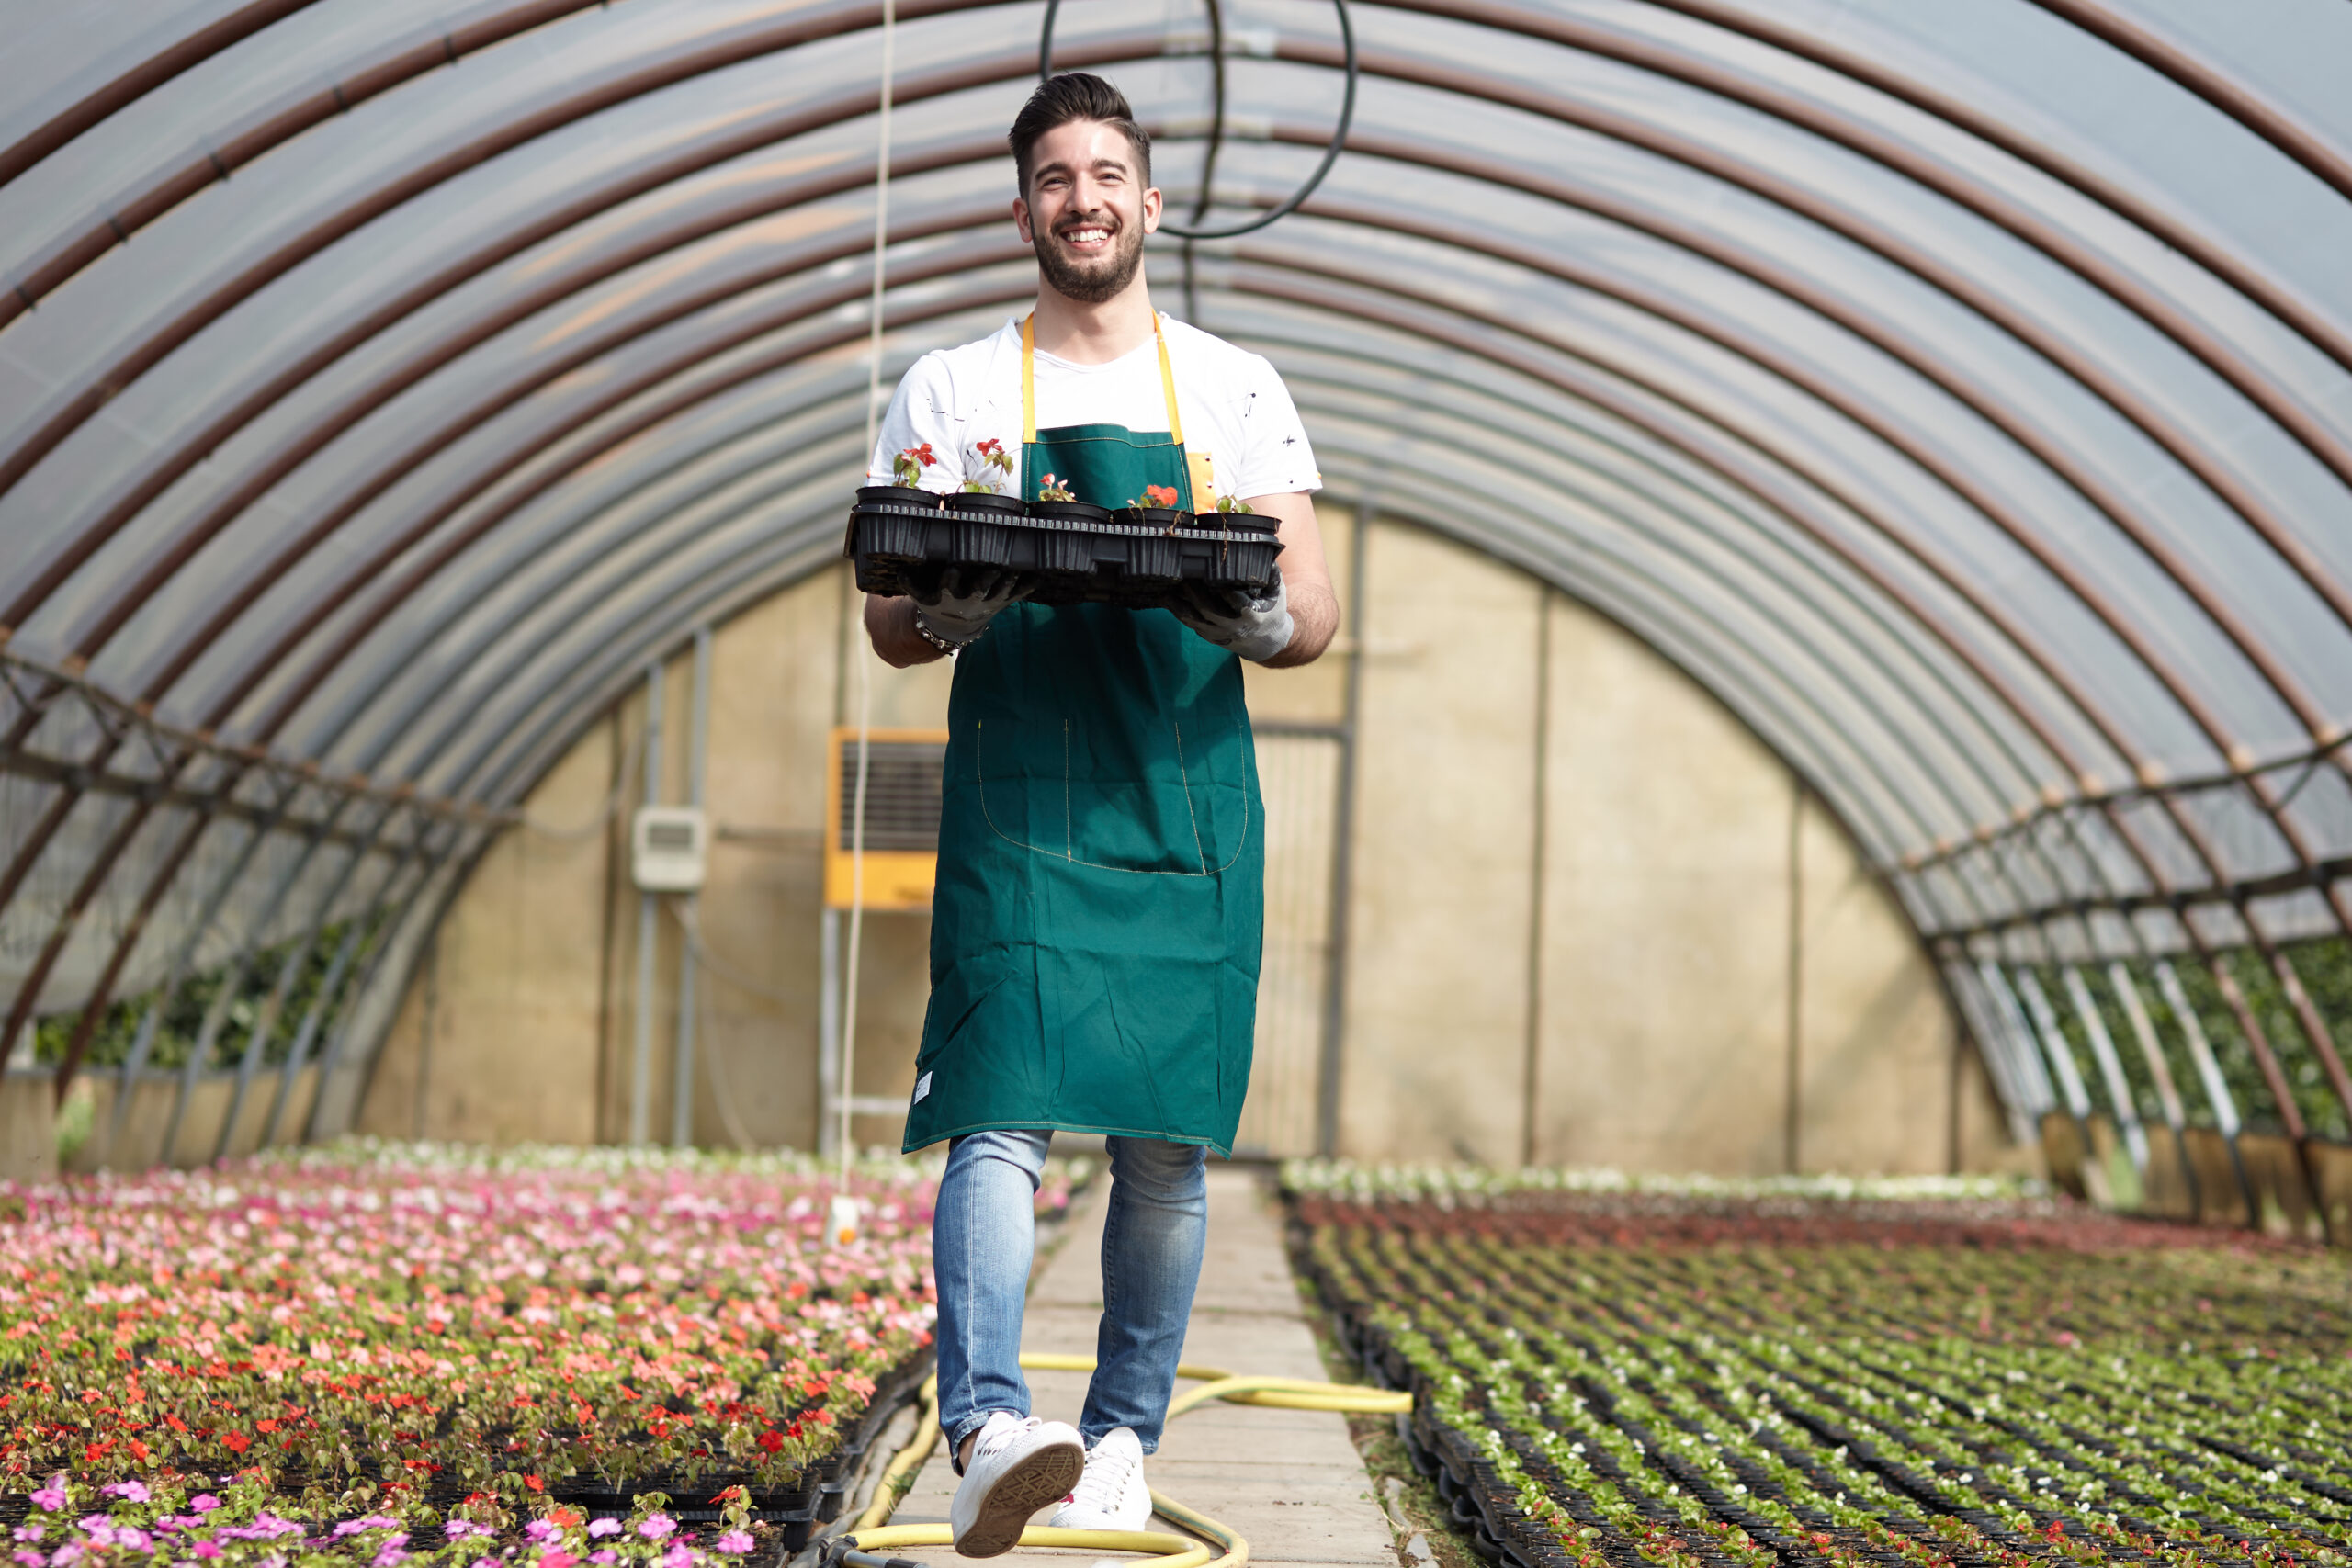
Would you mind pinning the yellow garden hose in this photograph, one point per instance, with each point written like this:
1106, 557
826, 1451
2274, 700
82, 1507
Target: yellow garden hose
873, 1534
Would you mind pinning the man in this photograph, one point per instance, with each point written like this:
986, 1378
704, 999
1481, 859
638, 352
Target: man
1095, 929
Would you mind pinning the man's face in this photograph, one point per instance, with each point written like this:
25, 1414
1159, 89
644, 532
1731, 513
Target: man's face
1087, 211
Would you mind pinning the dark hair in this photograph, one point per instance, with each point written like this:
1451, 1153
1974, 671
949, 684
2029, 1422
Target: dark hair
1073, 96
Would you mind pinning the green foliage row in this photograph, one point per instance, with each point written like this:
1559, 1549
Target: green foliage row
256, 979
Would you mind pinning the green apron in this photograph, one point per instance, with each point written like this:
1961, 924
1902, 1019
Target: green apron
1096, 922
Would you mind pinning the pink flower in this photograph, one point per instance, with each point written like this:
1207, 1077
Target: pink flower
130, 1491
539, 1531
203, 1503
208, 1549
657, 1525
556, 1560
605, 1557
51, 1497
679, 1556
734, 1540
603, 1527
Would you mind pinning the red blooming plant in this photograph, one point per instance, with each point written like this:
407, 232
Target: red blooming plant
1053, 490
908, 466
1157, 495
366, 1326
993, 457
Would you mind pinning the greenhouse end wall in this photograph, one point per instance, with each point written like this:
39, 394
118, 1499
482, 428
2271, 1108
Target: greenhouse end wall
1640, 984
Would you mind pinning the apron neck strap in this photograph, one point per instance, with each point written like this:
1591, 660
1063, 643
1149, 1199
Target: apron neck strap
1029, 380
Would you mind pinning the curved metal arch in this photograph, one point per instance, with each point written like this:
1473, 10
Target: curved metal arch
1843, 130
2243, 273
1488, 19
406, 377
2249, 107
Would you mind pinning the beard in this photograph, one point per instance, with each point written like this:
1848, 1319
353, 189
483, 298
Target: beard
1092, 281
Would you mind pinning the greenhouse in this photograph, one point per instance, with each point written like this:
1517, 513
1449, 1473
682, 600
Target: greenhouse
1719, 919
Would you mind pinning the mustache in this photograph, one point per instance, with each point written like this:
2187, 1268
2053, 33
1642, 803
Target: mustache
1103, 221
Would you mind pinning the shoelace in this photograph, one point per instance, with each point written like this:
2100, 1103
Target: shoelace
1105, 1479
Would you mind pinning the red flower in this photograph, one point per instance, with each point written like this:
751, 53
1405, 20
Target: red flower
921, 455
772, 1442
534, 1483
1162, 495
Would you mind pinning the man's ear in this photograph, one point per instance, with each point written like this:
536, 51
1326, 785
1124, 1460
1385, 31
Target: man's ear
1021, 220
1151, 205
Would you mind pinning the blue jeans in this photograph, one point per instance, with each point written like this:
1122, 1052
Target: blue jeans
982, 1237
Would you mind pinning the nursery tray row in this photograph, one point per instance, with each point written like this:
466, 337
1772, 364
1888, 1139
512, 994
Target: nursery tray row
903, 540
1596, 1384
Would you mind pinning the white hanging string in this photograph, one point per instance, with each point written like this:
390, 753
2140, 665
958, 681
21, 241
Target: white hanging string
847, 1083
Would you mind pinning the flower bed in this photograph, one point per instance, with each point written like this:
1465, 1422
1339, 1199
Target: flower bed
1698, 1374
374, 1351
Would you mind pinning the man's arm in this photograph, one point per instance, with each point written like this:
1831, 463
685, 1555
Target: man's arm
890, 624
1307, 577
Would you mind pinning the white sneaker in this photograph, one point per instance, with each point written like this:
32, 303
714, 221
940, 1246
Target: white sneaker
1111, 1495
1018, 1466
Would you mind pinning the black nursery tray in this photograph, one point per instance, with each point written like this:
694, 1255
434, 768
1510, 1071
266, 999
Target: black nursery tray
903, 540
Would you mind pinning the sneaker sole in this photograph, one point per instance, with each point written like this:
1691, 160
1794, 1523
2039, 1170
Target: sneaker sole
1045, 1476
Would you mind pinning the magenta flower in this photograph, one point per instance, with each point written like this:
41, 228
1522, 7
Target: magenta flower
603, 1527
657, 1525
538, 1531
51, 1497
203, 1503
734, 1542
130, 1491
679, 1556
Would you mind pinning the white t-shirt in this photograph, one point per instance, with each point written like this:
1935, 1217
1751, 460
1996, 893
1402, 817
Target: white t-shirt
1236, 411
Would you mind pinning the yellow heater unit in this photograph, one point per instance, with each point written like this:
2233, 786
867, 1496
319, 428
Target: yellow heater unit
903, 770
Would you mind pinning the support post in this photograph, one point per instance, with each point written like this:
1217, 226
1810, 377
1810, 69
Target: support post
640, 1082
682, 1077
2209, 1073
1335, 982
829, 1027
2110, 1068
2143, 1029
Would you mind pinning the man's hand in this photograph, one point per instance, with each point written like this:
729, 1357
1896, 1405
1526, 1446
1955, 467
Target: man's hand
966, 599
1255, 626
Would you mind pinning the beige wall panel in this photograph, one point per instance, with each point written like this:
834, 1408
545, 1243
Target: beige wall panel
1317, 692
28, 1128
1875, 1054
523, 972
1664, 985
513, 1048
1437, 967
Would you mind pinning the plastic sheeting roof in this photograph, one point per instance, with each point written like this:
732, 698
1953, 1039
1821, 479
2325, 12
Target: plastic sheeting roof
1964, 393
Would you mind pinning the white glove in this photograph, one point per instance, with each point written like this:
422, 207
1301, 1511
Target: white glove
1255, 626
960, 609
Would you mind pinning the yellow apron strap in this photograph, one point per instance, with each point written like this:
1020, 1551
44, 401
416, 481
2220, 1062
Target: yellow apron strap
1168, 384
1029, 380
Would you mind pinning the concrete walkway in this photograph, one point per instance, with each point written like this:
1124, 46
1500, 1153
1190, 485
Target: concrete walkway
1288, 1479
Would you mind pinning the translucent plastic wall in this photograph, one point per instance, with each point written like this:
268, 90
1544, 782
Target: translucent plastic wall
1963, 393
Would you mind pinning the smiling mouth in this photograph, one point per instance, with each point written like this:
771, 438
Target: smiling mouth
1087, 239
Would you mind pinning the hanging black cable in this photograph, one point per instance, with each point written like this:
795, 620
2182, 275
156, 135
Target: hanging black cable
1190, 231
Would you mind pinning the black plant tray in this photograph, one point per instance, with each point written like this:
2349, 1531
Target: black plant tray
902, 540
803, 1505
